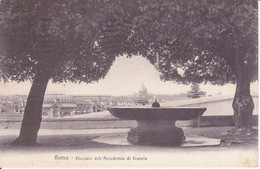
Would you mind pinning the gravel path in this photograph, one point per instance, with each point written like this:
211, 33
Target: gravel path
78, 145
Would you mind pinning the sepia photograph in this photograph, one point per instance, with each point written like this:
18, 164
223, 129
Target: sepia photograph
128, 83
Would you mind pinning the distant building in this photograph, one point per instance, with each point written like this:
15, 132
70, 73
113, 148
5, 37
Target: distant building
83, 106
95, 103
143, 91
58, 106
143, 96
125, 101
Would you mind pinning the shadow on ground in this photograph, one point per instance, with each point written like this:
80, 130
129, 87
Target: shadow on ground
82, 141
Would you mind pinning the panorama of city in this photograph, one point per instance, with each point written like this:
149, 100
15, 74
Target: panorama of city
63, 105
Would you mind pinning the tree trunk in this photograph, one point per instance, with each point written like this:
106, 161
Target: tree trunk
33, 111
243, 104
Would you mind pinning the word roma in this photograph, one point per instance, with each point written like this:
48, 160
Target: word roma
56, 157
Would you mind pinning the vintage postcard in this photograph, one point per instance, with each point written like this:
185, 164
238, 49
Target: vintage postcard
117, 83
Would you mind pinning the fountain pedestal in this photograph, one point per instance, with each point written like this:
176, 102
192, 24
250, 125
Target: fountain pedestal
156, 126
161, 132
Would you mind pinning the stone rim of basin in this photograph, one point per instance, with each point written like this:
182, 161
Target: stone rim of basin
157, 113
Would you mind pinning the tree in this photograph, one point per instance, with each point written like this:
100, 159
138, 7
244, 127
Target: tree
55, 40
195, 91
203, 41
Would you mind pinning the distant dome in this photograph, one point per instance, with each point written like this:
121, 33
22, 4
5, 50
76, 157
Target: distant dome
143, 96
143, 90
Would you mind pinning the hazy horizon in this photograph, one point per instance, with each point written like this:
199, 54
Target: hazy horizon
125, 77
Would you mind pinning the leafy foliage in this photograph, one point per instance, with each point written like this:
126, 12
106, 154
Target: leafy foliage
198, 41
60, 37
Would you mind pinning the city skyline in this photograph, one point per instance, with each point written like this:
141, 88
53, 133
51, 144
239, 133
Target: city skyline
125, 77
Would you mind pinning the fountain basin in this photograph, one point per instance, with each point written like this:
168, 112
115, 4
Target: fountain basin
156, 125
157, 113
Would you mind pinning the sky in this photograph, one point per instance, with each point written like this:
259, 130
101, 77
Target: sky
125, 77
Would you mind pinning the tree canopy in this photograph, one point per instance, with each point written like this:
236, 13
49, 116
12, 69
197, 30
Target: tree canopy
63, 37
198, 41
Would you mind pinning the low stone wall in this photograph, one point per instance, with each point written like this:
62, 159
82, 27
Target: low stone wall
216, 105
74, 124
204, 121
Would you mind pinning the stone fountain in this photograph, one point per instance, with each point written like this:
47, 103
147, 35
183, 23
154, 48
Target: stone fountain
156, 125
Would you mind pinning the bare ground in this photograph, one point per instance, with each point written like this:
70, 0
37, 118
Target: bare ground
74, 143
